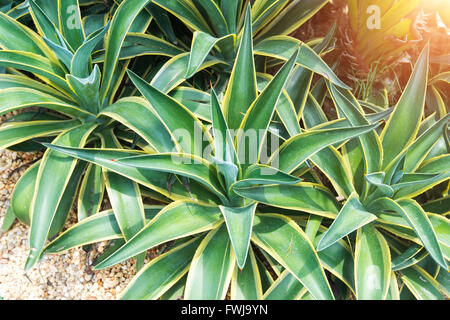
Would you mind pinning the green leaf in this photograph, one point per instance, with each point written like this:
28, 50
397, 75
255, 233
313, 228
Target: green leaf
91, 192
352, 217
8, 220
120, 25
372, 265
223, 142
87, 90
16, 36
178, 163
211, 268
152, 179
12, 133
70, 22
161, 273
282, 47
16, 98
403, 125
260, 113
302, 146
246, 283
262, 174
99, 227
175, 117
353, 112
421, 284
142, 121
81, 59
23, 194
419, 222
53, 176
123, 194
283, 239
295, 14
286, 287
242, 89
186, 11
418, 151
305, 197
40, 66
177, 220
202, 44
239, 223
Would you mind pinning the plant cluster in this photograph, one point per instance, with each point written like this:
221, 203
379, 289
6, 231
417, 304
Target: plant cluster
200, 122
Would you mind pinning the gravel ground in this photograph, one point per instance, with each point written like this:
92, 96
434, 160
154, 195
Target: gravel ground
65, 276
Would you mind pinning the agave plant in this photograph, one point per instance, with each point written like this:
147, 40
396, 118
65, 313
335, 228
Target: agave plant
208, 49
52, 70
389, 172
217, 230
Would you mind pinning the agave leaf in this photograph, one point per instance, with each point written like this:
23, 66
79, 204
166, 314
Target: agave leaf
23, 194
403, 125
418, 151
421, 284
282, 47
211, 268
351, 217
186, 11
8, 220
259, 114
353, 112
377, 179
173, 115
305, 197
393, 293
91, 192
178, 163
17, 98
154, 180
246, 283
67, 200
202, 44
338, 260
142, 121
224, 145
286, 287
435, 165
81, 59
70, 22
43, 23
161, 273
242, 86
178, 220
120, 25
50, 190
197, 101
297, 149
87, 90
292, 17
421, 183
16, 132
42, 67
239, 223
20, 81
123, 194
287, 243
16, 36
262, 174
372, 265
173, 72
419, 222
100, 227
